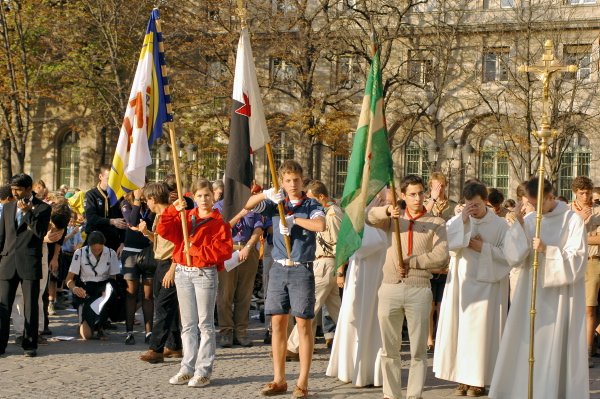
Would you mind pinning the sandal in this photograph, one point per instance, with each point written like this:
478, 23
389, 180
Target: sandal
299, 392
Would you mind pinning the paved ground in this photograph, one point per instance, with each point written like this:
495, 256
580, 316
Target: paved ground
110, 369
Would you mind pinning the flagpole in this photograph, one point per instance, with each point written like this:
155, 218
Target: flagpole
167, 90
395, 221
241, 9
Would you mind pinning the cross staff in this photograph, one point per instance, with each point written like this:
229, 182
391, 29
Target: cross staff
544, 72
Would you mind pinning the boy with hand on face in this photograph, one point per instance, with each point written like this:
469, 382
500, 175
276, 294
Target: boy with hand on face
291, 280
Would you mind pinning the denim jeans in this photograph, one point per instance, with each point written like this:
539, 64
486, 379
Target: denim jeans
197, 293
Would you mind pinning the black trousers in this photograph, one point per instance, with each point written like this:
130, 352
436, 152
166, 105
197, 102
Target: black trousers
165, 330
31, 292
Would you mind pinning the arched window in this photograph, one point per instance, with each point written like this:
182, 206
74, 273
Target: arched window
493, 166
68, 160
416, 157
574, 161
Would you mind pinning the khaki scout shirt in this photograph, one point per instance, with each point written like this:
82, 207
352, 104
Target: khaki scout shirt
327, 240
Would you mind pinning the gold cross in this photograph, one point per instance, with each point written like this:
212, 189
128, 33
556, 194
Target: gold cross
544, 72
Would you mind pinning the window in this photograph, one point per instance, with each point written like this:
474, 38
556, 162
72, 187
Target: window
420, 66
415, 158
494, 168
575, 2
574, 161
155, 172
495, 65
281, 71
281, 151
340, 172
507, 3
68, 154
347, 72
215, 71
580, 55
212, 164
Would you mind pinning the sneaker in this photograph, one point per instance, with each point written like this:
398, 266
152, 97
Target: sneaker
461, 390
42, 340
476, 392
242, 341
130, 339
272, 389
198, 381
180, 379
299, 392
46, 331
148, 337
226, 340
267, 339
19, 340
152, 357
172, 353
51, 310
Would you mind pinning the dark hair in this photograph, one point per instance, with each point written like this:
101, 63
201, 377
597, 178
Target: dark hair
200, 184
510, 203
410, 180
318, 188
96, 237
582, 183
563, 199
495, 197
61, 215
21, 180
171, 182
103, 168
159, 192
5, 192
474, 189
290, 166
532, 187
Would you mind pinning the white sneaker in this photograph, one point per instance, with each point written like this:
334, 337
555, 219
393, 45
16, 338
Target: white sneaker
198, 381
180, 379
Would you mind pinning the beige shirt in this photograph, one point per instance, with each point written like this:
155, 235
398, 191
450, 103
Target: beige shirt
327, 240
592, 225
163, 249
429, 249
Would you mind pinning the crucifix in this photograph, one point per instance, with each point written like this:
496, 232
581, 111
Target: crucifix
544, 72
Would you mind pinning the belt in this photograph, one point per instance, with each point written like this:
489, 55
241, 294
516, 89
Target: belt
326, 257
192, 269
288, 263
594, 257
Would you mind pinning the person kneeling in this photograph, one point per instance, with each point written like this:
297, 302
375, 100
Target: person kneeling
95, 265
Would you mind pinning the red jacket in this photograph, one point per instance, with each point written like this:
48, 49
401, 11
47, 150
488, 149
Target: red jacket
211, 243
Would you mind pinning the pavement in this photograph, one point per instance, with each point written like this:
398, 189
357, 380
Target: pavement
111, 369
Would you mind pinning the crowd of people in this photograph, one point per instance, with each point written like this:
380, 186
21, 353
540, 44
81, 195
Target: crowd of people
460, 275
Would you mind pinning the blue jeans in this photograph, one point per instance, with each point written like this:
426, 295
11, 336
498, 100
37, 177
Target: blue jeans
197, 293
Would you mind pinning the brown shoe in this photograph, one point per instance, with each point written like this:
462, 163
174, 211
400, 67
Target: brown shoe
152, 357
461, 390
272, 389
291, 356
476, 392
172, 353
299, 392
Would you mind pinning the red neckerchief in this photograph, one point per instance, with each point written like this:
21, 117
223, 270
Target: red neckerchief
411, 223
286, 207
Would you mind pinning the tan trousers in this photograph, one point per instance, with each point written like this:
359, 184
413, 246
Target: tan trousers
395, 302
234, 296
327, 293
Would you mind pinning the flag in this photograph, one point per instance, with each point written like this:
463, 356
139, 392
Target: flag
370, 166
147, 109
248, 130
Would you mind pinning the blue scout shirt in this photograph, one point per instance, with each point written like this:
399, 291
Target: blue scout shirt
242, 231
303, 241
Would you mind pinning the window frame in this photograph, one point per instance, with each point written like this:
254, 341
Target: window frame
501, 64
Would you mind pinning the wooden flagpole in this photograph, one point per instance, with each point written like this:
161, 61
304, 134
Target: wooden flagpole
167, 90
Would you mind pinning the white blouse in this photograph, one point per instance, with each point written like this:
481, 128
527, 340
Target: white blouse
88, 268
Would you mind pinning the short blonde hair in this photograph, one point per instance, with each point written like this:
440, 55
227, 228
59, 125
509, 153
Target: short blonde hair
439, 176
290, 166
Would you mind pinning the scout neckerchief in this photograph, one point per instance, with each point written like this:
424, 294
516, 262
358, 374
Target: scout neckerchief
440, 206
287, 203
105, 200
87, 254
411, 223
197, 223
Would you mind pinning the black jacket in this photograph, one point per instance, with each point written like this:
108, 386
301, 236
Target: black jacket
97, 218
21, 246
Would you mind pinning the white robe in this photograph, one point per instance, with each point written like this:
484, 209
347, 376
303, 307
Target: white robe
356, 353
561, 365
475, 304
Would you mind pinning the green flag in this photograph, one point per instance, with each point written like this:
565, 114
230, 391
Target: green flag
370, 167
